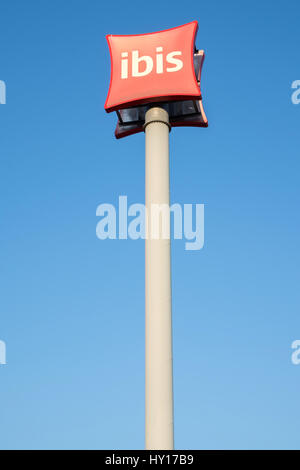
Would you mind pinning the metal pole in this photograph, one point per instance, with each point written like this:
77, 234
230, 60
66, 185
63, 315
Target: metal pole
158, 321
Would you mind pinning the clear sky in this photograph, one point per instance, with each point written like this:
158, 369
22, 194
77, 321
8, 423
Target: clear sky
72, 306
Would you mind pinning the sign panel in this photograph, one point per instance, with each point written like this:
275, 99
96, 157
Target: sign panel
152, 67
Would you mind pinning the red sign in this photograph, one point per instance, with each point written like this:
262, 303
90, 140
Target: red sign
152, 67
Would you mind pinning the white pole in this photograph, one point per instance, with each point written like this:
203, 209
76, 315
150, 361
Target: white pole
158, 321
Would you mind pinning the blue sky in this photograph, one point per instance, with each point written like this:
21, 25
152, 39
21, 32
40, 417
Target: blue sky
72, 306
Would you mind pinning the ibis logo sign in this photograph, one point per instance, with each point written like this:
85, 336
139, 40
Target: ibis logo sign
152, 67
148, 63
